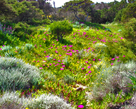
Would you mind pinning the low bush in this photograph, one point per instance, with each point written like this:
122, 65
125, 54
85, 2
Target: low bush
16, 75
129, 31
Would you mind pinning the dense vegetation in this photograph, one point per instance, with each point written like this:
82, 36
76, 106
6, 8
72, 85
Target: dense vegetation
50, 60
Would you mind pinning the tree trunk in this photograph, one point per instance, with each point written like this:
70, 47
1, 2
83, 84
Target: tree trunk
86, 17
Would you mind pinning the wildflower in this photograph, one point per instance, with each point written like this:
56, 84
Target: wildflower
44, 39
86, 61
117, 57
63, 65
58, 60
40, 68
89, 67
111, 63
99, 59
54, 59
89, 72
113, 58
82, 68
93, 59
0, 49
86, 74
59, 55
123, 55
80, 106
44, 51
61, 68
118, 60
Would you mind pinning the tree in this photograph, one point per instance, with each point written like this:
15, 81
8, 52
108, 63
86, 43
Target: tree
6, 10
77, 5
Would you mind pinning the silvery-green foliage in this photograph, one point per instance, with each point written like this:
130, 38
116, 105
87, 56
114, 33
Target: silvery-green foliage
51, 77
11, 100
87, 28
9, 54
6, 48
113, 81
68, 79
65, 61
80, 54
42, 102
49, 58
100, 47
77, 23
130, 66
47, 102
15, 74
29, 46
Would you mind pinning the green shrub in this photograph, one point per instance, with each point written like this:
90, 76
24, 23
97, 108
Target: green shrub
61, 28
16, 75
129, 31
21, 29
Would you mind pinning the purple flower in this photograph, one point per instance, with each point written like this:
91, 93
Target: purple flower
80, 106
89, 72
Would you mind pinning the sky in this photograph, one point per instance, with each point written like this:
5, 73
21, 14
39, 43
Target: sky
59, 3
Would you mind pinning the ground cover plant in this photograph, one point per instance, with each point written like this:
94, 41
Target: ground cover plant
82, 68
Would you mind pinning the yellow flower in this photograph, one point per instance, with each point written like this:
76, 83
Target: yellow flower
27, 108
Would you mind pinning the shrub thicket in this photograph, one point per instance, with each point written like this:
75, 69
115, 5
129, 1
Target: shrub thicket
61, 28
129, 31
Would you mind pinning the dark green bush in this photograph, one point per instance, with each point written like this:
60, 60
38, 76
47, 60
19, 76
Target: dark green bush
129, 31
22, 30
39, 22
61, 28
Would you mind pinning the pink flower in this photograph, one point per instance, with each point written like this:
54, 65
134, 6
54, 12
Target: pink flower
89, 67
56, 48
54, 59
117, 56
44, 39
57, 39
113, 58
86, 61
40, 68
58, 60
61, 68
123, 55
38, 61
56, 51
80, 106
40, 45
84, 33
118, 60
53, 63
65, 46
53, 44
49, 64
70, 45
86, 74
121, 37
93, 59
63, 65
99, 59
0, 49
111, 63
89, 72
59, 55
82, 68
44, 51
